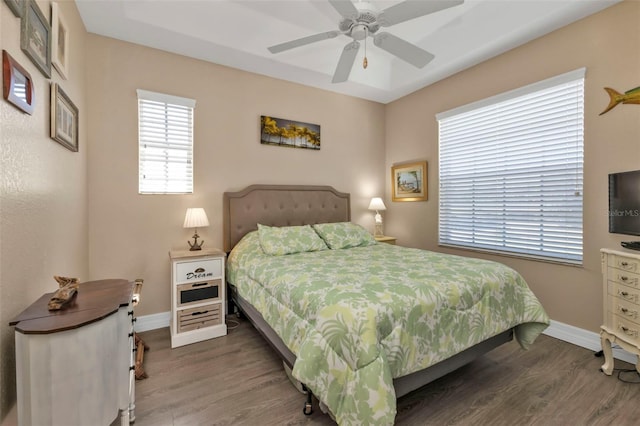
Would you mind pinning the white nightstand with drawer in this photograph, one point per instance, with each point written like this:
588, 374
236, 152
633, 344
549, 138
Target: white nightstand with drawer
621, 296
197, 296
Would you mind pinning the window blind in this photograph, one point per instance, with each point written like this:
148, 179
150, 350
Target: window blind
511, 171
165, 139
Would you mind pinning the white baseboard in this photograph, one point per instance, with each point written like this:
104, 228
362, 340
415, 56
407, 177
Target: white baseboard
153, 321
586, 339
565, 332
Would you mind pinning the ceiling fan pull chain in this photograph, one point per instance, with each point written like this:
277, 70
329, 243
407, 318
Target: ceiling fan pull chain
364, 61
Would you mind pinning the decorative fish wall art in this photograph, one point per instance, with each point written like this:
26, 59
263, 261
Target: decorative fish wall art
629, 97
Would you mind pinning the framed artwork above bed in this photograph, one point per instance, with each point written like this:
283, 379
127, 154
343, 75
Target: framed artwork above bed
293, 134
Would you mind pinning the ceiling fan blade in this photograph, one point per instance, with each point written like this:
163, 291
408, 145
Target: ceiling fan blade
345, 8
303, 41
403, 49
346, 61
412, 9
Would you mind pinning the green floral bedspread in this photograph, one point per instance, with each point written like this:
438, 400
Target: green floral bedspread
357, 318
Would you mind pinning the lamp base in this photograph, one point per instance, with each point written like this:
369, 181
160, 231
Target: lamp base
378, 230
195, 246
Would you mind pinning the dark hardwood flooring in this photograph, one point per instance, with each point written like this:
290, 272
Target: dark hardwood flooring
238, 380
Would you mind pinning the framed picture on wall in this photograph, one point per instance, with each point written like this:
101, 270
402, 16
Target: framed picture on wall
409, 182
64, 119
35, 33
289, 133
17, 86
59, 41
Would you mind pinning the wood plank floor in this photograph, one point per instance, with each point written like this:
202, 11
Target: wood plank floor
238, 380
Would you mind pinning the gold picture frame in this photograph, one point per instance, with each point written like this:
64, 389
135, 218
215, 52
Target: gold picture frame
64, 119
409, 182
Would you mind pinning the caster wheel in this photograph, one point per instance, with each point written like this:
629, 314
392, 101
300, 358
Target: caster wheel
308, 409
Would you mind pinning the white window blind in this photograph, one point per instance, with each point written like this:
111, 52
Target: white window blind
165, 138
511, 171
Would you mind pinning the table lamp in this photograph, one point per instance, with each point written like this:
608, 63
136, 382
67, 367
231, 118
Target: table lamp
195, 218
377, 205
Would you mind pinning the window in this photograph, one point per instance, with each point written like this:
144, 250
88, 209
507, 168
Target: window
511, 171
165, 144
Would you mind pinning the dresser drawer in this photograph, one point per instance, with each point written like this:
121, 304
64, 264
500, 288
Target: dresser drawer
626, 293
626, 264
628, 330
624, 309
198, 270
202, 316
631, 279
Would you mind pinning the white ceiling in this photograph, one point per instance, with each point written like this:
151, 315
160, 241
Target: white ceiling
236, 33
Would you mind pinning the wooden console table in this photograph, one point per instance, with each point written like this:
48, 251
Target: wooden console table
75, 365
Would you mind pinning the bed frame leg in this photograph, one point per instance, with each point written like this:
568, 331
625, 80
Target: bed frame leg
308, 407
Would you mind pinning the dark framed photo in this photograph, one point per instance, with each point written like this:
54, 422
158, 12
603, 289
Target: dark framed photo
17, 86
16, 6
64, 119
409, 182
294, 134
35, 37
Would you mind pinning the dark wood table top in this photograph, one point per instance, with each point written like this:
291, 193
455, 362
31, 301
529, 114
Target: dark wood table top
93, 301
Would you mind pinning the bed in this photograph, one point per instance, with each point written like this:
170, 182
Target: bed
362, 323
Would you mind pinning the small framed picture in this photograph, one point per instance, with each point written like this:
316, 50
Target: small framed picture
409, 182
17, 86
59, 41
35, 33
16, 6
64, 119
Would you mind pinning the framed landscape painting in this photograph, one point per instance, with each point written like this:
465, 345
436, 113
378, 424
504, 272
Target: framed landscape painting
409, 182
294, 134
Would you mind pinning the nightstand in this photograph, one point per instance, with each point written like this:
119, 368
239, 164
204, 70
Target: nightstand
197, 296
384, 239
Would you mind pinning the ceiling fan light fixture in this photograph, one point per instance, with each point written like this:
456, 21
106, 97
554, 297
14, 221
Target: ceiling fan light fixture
359, 32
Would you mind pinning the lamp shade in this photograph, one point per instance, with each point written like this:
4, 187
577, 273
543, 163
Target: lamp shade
376, 204
195, 218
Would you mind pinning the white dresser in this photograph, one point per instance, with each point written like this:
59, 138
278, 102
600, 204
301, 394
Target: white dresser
75, 366
621, 296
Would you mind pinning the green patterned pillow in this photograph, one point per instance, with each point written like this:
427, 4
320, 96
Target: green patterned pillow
344, 235
277, 241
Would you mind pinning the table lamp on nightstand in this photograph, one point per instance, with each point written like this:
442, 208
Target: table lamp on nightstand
195, 218
377, 205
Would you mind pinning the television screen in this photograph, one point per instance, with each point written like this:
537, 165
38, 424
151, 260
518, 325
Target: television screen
624, 203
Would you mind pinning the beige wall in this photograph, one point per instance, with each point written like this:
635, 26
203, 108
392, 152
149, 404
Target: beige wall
79, 214
130, 234
607, 44
43, 191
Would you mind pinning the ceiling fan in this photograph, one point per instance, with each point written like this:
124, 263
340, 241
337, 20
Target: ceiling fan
361, 20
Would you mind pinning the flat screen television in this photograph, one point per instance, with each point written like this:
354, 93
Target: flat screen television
624, 203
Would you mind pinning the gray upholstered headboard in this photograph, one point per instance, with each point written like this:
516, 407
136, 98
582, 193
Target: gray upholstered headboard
281, 205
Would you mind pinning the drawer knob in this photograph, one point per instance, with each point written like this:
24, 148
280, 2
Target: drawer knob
623, 278
628, 312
